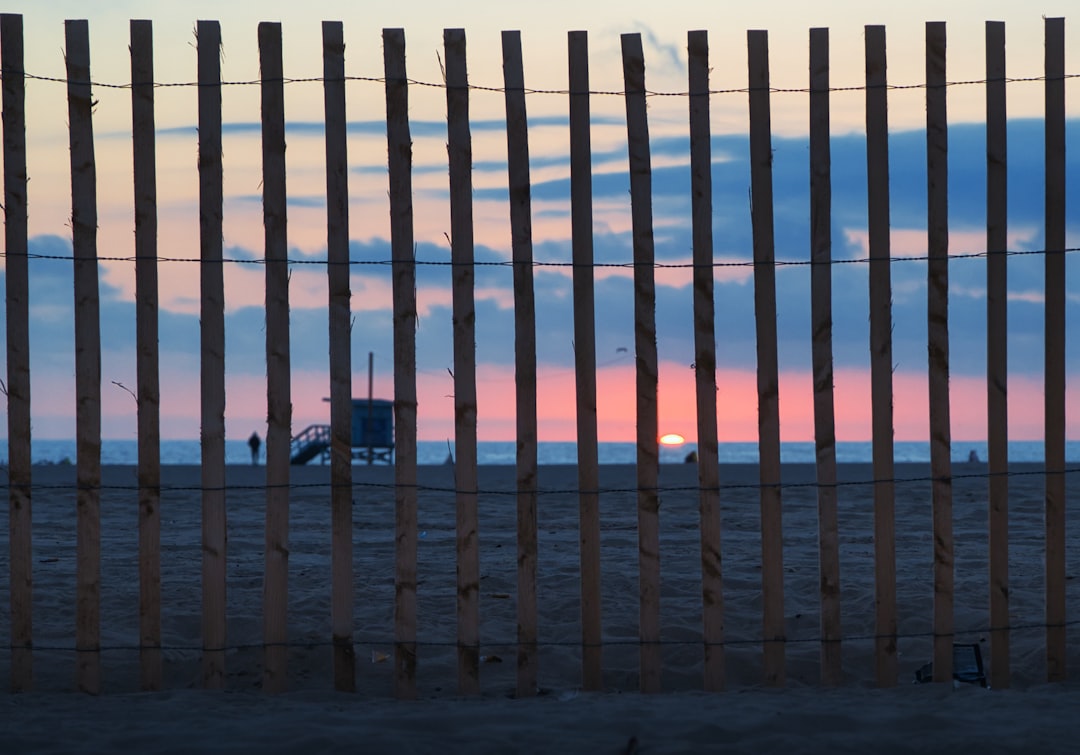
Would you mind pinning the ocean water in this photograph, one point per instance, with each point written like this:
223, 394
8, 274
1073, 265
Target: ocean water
503, 452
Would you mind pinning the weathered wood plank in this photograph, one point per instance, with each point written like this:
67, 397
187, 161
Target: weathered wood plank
517, 150
465, 473
581, 218
821, 321
648, 452
337, 272
937, 287
146, 336
278, 385
17, 307
712, 591
768, 381
881, 364
1054, 375
997, 349
399, 151
84, 221
212, 355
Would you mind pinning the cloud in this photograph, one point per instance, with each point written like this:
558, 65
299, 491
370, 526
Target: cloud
51, 298
670, 54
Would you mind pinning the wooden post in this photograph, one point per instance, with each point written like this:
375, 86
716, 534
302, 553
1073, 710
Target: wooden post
146, 334
822, 348
517, 151
768, 381
461, 235
212, 354
87, 359
648, 453
337, 273
937, 288
881, 365
592, 677
17, 303
278, 389
997, 363
1054, 392
712, 592
399, 151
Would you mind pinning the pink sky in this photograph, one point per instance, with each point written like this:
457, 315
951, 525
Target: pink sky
737, 405
53, 400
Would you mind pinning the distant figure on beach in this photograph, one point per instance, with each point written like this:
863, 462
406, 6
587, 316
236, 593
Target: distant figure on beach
973, 457
691, 458
253, 443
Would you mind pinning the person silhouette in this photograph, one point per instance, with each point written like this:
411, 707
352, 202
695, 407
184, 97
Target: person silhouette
253, 443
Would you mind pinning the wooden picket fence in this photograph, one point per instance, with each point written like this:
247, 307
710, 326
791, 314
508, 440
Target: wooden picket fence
88, 355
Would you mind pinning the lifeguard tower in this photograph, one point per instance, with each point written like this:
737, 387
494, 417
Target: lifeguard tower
372, 435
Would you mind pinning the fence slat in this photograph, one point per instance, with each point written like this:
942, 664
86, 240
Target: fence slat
278, 389
337, 273
997, 363
712, 591
881, 365
399, 164
17, 303
937, 287
1055, 350
517, 151
87, 359
938, 347
146, 335
648, 453
461, 237
581, 218
768, 381
212, 355
212, 332
822, 355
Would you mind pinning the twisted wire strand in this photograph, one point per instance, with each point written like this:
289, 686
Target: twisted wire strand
539, 91
549, 263
389, 641
539, 491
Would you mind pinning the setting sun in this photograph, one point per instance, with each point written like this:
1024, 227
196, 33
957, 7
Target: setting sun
672, 439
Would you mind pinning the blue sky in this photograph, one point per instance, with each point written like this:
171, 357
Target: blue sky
544, 35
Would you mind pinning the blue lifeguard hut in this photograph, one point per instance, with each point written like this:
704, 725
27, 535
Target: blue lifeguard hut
372, 435
372, 430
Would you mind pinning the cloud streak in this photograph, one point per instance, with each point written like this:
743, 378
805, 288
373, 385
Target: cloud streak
52, 304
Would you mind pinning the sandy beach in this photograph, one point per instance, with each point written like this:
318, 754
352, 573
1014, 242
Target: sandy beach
804, 717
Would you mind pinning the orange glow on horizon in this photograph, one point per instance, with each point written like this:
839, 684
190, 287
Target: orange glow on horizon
557, 409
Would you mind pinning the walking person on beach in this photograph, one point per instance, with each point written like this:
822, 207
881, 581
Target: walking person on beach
253, 443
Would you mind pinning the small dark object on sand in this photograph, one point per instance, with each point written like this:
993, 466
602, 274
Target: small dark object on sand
967, 667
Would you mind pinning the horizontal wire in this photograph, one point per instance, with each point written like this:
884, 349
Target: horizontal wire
542, 264
539, 491
542, 644
529, 90
389, 641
